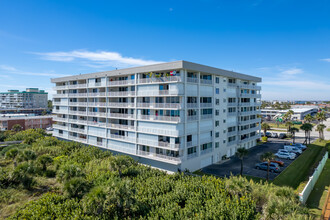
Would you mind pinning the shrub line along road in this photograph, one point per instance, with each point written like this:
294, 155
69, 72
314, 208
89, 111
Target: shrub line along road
233, 166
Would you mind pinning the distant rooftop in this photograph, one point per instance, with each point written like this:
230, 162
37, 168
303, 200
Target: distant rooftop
28, 90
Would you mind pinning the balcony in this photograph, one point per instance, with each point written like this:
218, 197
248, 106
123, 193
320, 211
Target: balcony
95, 123
192, 155
96, 94
121, 104
244, 104
97, 84
161, 157
247, 95
84, 85
159, 93
77, 103
206, 151
60, 95
61, 111
121, 94
192, 80
206, 105
60, 103
72, 112
160, 118
249, 113
121, 82
120, 126
208, 116
230, 114
60, 87
232, 104
191, 143
192, 105
79, 130
206, 81
79, 139
98, 104
158, 131
159, 105
160, 79
232, 84
58, 126
77, 94
231, 143
253, 87
122, 138
60, 119
99, 114
77, 121
231, 133
192, 118
120, 115
158, 143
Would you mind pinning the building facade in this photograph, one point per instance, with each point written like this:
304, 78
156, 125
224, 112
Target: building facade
177, 115
25, 121
30, 99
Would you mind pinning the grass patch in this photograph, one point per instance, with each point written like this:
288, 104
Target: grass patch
298, 171
255, 179
317, 197
281, 125
201, 173
328, 129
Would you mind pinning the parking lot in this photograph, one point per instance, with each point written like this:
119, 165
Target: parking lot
233, 166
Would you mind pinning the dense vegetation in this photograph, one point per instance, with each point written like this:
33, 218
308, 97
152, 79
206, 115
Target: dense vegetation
44, 178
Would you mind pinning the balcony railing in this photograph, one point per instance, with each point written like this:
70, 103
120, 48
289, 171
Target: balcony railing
208, 116
229, 114
97, 84
231, 143
192, 105
77, 121
161, 79
124, 138
60, 119
206, 81
192, 117
192, 80
101, 104
160, 118
78, 86
120, 126
158, 156
157, 143
60, 95
78, 103
245, 86
60, 111
77, 112
61, 87
191, 143
100, 114
96, 123
77, 94
120, 104
79, 130
231, 133
158, 131
159, 105
96, 94
58, 126
121, 82
120, 115
209, 150
83, 140
193, 155
121, 94
206, 105
159, 93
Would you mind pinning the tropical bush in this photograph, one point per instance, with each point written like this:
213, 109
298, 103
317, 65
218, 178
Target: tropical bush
72, 181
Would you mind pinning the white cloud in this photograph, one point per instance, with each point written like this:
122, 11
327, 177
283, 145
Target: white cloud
326, 60
13, 70
292, 71
98, 58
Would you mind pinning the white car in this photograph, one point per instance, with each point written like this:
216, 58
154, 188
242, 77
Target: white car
293, 149
284, 155
300, 146
286, 151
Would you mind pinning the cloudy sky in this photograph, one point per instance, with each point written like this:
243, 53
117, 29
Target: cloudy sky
286, 42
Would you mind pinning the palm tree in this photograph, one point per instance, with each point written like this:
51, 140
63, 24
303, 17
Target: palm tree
308, 118
241, 153
320, 128
293, 131
268, 156
265, 127
16, 128
320, 116
307, 127
288, 125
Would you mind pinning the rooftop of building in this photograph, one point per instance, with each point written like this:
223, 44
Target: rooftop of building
28, 90
295, 110
25, 117
162, 67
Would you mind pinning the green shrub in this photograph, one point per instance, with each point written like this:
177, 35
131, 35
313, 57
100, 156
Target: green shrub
264, 139
26, 155
76, 187
68, 171
12, 153
44, 160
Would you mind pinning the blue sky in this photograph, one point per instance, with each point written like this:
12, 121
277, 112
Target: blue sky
285, 42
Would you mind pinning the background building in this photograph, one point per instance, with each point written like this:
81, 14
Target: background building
299, 112
172, 116
30, 99
26, 121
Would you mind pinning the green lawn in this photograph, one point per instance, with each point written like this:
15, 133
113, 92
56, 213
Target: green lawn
317, 197
299, 170
281, 125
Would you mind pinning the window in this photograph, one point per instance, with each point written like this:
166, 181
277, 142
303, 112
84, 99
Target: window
217, 144
191, 150
217, 134
224, 120
224, 110
217, 123
216, 112
189, 138
217, 101
224, 90
224, 100
217, 80
217, 91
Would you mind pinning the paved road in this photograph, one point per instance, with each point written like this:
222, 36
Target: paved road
233, 166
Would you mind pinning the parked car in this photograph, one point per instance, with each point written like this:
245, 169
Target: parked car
49, 129
279, 162
284, 155
293, 149
300, 146
274, 135
268, 134
282, 136
273, 167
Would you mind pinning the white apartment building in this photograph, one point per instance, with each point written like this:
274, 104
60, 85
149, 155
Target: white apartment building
176, 115
30, 99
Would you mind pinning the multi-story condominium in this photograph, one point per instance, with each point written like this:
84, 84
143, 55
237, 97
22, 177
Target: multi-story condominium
174, 116
32, 98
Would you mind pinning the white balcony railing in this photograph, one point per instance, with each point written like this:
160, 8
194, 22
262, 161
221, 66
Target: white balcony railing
77, 94
61, 87
83, 140
206, 105
159, 131
77, 112
96, 123
78, 103
58, 126
120, 115
157, 143
206, 81
60, 95
99, 114
192, 105
161, 79
83, 85
159, 105
159, 93
231, 104
96, 94
97, 104
160, 118
121, 82
209, 150
192, 155
192, 117
159, 156
79, 130
124, 138
208, 116
192, 80
120, 104
120, 126
121, 94
60, 119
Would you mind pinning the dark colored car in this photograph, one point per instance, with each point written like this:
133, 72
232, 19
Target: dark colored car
273, 167
282, 136
268, 134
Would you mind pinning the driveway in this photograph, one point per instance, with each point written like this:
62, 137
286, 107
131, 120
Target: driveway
233, 166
